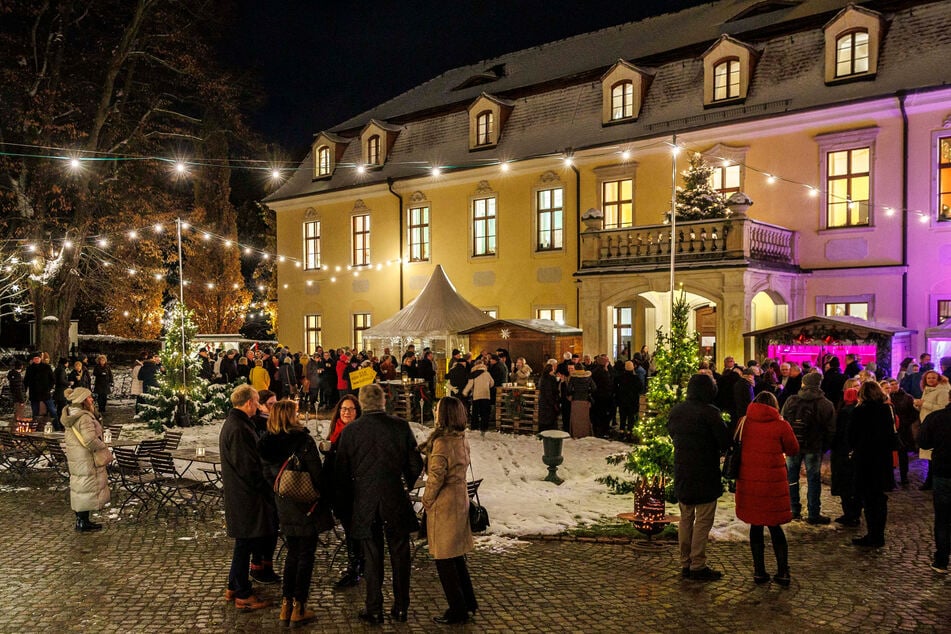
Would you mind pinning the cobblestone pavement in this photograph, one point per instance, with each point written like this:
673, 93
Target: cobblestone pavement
168, 575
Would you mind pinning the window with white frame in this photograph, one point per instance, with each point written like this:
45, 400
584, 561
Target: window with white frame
485, 125
324, 163
311, 333
622, 100
361, 322
550, 218
942, 310
725, 178
944, 179
491, 312
373, 150
848, 192
726, 80
361, 239
851, 54
623, 329
483, 226
553, 313
418, 228
847, 309
312, 245
617, 201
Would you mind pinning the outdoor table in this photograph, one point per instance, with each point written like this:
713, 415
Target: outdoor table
401, 394
189, 455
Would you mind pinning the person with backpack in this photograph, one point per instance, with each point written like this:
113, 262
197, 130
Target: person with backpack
812, 417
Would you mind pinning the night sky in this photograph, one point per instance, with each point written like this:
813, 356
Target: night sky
320, 62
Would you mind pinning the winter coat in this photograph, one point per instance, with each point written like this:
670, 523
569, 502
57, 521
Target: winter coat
288, 379
80, 379
792, 387
832, 383
548, 402
259, 378
148, 374
628, 389
479, 385
229, 369
17, 391
293, 516
136, 387
699, 437
742, 397
762, 491
816, 437
725, 390
523, 374
603, 381
873, 438
840, 460
87, 460
580, 386
38, 379
60, 383
936, 435
103, 376
343, 383
446, 499
458, 377
933, 399
376, 455
908, 417
248, 496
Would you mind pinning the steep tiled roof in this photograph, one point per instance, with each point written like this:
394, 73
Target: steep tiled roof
567, 91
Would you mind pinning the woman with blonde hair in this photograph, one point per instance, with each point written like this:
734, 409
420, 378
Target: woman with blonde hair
935, 391
87, 457
259, 377
446, 501
288, 440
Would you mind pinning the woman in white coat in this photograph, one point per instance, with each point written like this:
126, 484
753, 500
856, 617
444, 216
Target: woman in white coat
87, 456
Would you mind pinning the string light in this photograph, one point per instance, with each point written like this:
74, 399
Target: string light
436, 171
74, 163
504, 166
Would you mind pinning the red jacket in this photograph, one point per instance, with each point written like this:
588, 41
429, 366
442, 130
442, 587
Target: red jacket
342, 382
762, 491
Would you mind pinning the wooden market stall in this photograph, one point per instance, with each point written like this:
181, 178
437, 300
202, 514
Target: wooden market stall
535, 339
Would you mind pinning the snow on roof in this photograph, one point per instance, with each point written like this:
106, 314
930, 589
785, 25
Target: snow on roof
546, 326
853, 323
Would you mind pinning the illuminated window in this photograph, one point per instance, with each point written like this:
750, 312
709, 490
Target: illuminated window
847, 187
726, 80
554, 314
373, 150
851, 54
491, 312
944, 179
725, 179
311, 332
483, 226
622, 100
617, 199
323, 161
944, 311
361, 322
312, 245
418, 234
848, 309
485, 124
361, 240
623, 329
550, 204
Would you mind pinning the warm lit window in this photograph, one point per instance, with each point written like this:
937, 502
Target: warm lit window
418, 234
725, 179
550, 219
622, 100
311, 333
944, 311
623, 330
617, 198
312, 245
554, 314
361, 240
373, 150
944, 179
847, 187
491, 312
848, 309
483, 226
323, 161
726, 80
851, 54
361, 322
485, 124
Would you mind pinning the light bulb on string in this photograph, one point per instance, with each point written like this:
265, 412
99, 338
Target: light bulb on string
333, 279
235, 286
297, 264
285, 285
770, 179
67, 244
309, 283
206, 237
74, 164
247, 250
31, 248
180, 167
276, 174
436, 171
210, 285
361, 169
103, 243
158, 228
504, 166
260, 288
626, 154
228, 243
265, 256
186, 226
133, 234
157, 276
281, 258
132, 272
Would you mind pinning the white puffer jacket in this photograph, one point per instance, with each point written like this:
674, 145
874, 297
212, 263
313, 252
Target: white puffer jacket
87, 456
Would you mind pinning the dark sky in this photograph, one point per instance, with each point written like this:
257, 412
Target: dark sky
321, 62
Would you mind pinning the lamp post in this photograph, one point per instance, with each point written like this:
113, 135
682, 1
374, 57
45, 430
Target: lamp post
181, 411
673, 226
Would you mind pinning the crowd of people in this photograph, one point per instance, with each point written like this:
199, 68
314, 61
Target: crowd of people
786, 416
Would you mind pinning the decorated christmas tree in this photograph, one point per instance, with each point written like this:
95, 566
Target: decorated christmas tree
651, 460
182, 397
697, 200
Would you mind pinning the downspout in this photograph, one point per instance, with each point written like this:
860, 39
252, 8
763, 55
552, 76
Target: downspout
901, 94
399, 224
577, 241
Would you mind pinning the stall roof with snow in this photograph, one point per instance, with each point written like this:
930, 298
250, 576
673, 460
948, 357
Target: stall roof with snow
535, 339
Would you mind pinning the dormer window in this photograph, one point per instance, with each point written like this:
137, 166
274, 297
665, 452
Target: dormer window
484, 128
623, 89
726, 80
377, 139
328, 148
852, 41
487, 117
727, 71
373, 150
324, 162
851, 54
622, 100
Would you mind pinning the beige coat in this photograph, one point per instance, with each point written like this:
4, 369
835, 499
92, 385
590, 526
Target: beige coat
87, 459
446, 500
933, 399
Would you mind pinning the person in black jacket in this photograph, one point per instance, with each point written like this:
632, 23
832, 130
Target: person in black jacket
102, 373
935, 434
229, 367
377, 459
699, 436
17, 390
833, 381
628, 388
60, 385
300, 523
38, 380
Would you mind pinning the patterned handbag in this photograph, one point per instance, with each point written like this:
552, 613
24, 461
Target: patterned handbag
293, 483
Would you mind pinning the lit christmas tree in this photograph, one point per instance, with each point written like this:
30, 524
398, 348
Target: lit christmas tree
697, 200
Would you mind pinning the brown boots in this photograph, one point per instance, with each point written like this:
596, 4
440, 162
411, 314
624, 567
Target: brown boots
251, 603
300, 614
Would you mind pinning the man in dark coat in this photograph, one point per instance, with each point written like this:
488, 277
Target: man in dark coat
38, 380
936, 435
812, 417
603, 405
833, 381
149, 372
229, 367
60, 383
792, 385
699, 436
250, 514
377, 459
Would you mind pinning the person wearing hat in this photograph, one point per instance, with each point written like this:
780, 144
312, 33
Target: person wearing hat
843, 472
812, 417
87, 456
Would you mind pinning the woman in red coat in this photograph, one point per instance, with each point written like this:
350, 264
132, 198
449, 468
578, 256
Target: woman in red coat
762, 491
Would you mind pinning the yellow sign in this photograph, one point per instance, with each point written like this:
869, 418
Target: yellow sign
364, 376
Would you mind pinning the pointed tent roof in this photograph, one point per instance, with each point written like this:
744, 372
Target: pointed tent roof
437, 311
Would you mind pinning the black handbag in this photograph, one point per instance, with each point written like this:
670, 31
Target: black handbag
731, 462
478, 515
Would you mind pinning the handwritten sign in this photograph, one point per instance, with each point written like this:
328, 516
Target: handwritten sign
364, 376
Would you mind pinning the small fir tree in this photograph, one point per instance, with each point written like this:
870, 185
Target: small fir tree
697, 200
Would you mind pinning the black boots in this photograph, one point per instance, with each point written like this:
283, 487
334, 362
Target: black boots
83, 524
759, 563
355, 564
782, 563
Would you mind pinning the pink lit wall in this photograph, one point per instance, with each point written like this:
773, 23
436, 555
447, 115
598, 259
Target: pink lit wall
797, 353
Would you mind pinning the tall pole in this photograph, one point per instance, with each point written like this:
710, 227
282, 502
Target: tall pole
673, 225
181, 301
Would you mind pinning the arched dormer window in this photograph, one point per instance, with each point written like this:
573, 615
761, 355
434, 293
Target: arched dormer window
728, 68
485, 128
851, 54
622, 100
324, 161
373, 150
726, 80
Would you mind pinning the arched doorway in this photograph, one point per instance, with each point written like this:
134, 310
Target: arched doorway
768, 309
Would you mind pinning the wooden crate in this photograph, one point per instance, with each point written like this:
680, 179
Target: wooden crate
516, 410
